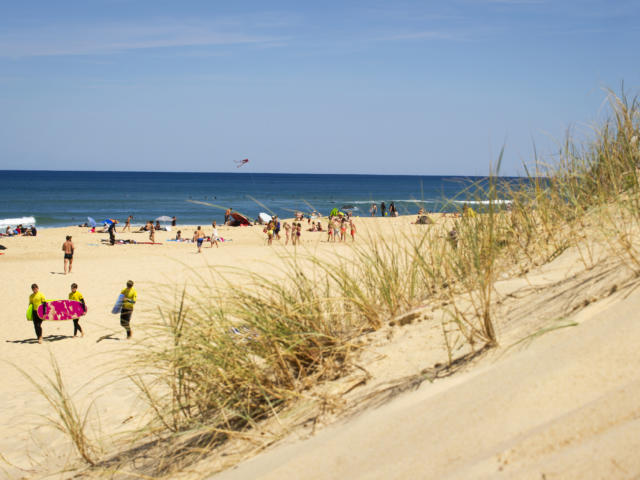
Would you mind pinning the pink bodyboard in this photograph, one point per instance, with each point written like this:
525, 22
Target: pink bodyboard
61, 310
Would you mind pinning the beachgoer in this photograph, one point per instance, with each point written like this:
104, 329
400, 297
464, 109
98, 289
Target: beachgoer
77, 296
36, 299
276, 227
343, 230
214, 235
174, 220
298, 233
179, 236
392, 210
127, 225
287, 232
227, 215
353, 230
68, 248
330, 230
453, 237
158, 226
336, 228
467, 211
373, 209
383, 209
34, 232
112, 232
152, 233
198, 237
130, 298
269, 231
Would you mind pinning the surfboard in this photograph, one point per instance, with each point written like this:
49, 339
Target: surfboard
118, 306
61, 310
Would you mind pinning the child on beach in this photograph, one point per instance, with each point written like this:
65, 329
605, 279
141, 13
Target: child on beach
343, 230
298, 232
329, 231
36, 299
269, 231
287, 232
214, 235
77, 296
353, 230
130, 298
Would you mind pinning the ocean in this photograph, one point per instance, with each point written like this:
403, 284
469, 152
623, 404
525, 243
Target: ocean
58, 198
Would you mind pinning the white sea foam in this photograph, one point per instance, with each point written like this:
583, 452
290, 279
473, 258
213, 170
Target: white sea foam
14, 222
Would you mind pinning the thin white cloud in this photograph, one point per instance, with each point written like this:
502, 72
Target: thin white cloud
119, 37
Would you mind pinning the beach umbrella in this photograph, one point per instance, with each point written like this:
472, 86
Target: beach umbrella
164, 218
92, 222
108, 221
334, 212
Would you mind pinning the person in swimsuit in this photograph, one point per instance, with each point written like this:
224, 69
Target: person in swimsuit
127, 225
152, 233
214, 235
67, 248
343, 230
353, 230
287, 232
198, 237
77, 296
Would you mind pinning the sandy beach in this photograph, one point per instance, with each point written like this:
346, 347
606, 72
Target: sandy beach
558, 406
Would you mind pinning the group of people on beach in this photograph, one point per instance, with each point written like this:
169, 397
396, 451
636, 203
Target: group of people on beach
393, 211
31, 231
38, 299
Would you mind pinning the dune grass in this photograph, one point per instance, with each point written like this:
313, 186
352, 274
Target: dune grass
66, 417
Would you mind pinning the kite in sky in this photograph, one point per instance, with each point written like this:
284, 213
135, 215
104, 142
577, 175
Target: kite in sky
242, 162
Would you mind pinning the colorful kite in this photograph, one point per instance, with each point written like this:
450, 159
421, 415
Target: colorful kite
241, 162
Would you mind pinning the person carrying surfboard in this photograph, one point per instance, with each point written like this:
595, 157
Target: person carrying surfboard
129, 300
35, 300
77, 296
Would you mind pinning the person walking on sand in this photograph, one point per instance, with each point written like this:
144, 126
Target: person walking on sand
214, 235
130, 298
198, 237
353, 230
68, 248
373, 209
152, 233
77, 296
112, 232
383, 209
36, 299
127, 225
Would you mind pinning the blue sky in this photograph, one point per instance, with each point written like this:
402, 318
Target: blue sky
405, 87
